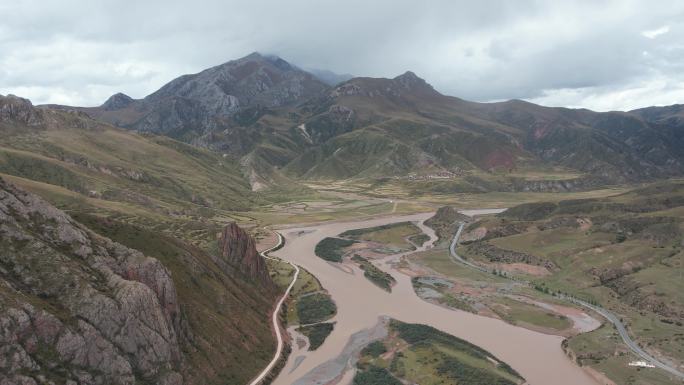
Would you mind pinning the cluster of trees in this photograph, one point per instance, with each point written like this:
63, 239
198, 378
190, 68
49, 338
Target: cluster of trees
317, 333
315, 308
466, 374
373, 274
332, 249
375, 375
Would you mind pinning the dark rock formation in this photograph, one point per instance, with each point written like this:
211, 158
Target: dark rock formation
78, 308
238, 251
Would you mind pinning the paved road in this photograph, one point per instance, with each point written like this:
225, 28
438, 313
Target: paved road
626, 338
276, 324
631, 344
457, 257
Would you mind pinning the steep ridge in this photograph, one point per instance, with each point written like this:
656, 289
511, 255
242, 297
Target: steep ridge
77, 306
208, 108
613, 145
427, 131
393, 127
20, 110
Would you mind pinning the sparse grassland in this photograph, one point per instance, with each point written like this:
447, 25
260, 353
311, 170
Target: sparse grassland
414, 353
623, 252
281, 273
438, 260
463, 288
517, 312
373, 274
413, 198
603, 350
328, 207
393, 235
419, 239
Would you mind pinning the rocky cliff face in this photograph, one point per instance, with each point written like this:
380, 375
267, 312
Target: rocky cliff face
77, 308
14, 109
238, 251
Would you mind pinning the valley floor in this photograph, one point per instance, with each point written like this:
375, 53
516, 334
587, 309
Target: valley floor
361, 305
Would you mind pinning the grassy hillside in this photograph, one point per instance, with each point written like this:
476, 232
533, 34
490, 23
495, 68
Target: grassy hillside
624, 252
151, 181
401, 146
167, 199
402, 128
394, 236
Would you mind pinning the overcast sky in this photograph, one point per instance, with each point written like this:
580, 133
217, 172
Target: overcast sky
611, 55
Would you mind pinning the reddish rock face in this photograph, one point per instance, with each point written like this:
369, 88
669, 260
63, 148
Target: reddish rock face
238, 250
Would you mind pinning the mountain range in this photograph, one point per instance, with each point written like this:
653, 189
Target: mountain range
277, 118
135, 226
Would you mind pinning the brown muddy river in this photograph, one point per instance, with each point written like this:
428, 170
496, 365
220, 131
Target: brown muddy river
537, 357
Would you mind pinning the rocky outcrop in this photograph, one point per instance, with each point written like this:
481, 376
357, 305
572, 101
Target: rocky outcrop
237, 251
77, 307
446, 221
14, 109
406, 85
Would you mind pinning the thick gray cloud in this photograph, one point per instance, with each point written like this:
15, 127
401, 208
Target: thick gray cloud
596, 54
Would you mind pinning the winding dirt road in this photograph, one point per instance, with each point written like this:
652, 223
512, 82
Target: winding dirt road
537, 357
274, 320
